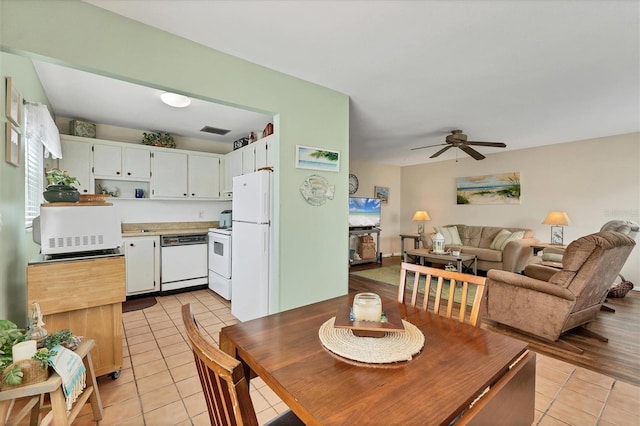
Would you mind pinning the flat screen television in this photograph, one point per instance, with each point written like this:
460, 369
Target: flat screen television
364, 212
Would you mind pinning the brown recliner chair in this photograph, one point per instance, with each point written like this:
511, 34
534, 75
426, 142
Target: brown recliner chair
547, 302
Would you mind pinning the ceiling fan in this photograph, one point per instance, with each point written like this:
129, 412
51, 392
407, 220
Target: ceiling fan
458, 139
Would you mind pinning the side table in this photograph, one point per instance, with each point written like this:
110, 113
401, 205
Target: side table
53, 387
416, 243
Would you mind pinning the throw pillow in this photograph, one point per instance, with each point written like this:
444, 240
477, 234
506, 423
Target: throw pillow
503, 237
450, 233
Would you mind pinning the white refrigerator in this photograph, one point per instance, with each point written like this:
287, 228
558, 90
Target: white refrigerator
251, 248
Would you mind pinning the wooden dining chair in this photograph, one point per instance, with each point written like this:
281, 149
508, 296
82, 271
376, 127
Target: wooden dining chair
435, 278
225, 387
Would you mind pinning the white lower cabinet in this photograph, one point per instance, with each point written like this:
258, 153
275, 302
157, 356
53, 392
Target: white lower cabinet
142, 258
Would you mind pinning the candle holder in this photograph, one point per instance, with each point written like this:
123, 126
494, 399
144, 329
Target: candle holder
367, 307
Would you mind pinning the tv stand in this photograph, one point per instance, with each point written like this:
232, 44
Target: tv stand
366, 231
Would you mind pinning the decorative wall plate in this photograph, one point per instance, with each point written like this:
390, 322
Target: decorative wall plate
316, 190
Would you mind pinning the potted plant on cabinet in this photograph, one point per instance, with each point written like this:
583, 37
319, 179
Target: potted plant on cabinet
162, 139
59, 188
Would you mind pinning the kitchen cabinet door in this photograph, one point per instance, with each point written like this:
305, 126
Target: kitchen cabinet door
142, 259
248, 159
232, 168
262, 153
137, 163
107, 160
76, 159
169, 175
204, 176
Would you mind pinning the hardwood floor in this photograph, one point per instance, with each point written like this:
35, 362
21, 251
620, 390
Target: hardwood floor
619, 358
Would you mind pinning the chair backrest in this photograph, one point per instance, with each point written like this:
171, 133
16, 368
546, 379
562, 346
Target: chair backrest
457, 295
225, 387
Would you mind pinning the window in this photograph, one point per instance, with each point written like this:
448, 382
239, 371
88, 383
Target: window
33, 179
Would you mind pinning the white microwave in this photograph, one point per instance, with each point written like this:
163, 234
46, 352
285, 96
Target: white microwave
77, 228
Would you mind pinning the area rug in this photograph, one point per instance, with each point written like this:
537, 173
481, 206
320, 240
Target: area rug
137, 304
391, 275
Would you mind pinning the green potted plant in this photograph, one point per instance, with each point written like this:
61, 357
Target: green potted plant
60, 187
158, 139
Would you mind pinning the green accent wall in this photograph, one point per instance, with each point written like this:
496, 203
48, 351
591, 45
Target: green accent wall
311, 243
16, 243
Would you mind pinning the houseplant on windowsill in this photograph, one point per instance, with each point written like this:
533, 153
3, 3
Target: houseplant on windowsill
59, 188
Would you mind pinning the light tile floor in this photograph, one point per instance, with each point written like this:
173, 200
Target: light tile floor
158, 384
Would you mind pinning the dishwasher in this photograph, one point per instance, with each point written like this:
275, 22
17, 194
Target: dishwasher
183, 262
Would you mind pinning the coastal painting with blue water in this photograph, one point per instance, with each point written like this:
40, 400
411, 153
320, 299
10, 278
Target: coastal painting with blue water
502, 188
364, 212
317, 159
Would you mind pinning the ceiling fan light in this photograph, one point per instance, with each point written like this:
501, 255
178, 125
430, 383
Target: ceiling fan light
175, 100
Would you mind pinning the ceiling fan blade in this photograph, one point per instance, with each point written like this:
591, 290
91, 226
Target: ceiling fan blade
494, 144
428, 146
472, 152
441, 151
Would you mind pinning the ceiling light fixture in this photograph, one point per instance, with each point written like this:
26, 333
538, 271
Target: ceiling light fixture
175, 100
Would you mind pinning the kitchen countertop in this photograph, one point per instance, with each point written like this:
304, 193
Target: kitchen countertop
166, 228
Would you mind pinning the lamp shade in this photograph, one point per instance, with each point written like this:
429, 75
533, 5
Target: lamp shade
556, 218
420, 215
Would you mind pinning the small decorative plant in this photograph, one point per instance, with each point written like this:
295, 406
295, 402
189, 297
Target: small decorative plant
158, 139
59, 177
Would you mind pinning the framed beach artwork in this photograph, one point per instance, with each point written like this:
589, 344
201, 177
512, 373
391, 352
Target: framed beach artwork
13, 101
311, 158
12, 145
501, 188
381, 193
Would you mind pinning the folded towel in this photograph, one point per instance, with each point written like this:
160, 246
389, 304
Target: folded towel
71, 370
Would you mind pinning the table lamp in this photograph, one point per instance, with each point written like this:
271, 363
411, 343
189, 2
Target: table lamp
557, 220
420, 216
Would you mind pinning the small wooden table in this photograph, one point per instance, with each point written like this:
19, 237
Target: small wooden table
53, 387
464, 262
414, 237
458, 362
541, 246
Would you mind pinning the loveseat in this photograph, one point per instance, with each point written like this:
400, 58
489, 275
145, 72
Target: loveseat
507, 249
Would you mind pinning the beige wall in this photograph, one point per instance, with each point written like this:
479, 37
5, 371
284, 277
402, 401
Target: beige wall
594, 181
375, 174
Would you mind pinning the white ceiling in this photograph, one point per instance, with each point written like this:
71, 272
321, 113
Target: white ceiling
526, 73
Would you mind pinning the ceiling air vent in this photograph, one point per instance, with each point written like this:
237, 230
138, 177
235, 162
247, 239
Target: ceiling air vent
214, 130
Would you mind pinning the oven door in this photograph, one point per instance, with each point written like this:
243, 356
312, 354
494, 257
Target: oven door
220, 254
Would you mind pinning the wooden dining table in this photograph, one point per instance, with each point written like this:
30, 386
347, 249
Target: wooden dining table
457, 364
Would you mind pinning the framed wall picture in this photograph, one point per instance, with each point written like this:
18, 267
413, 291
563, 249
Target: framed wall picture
12, 145
317, 159
381, 193
13, 103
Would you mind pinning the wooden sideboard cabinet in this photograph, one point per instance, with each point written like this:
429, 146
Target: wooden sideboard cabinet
85, 296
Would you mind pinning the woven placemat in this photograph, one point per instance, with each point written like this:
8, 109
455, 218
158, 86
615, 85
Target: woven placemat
393, 347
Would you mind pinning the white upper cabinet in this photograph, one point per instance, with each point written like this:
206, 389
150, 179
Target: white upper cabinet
204, 176
107, 160
76, 159
118, 161
247, 159
169, 172
232, 168
136, 163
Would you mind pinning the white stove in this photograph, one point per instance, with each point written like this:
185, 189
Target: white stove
220, 261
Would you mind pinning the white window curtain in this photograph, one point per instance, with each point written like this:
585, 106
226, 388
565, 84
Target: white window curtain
41, 138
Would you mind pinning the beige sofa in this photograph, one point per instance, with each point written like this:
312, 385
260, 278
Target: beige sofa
477, 240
